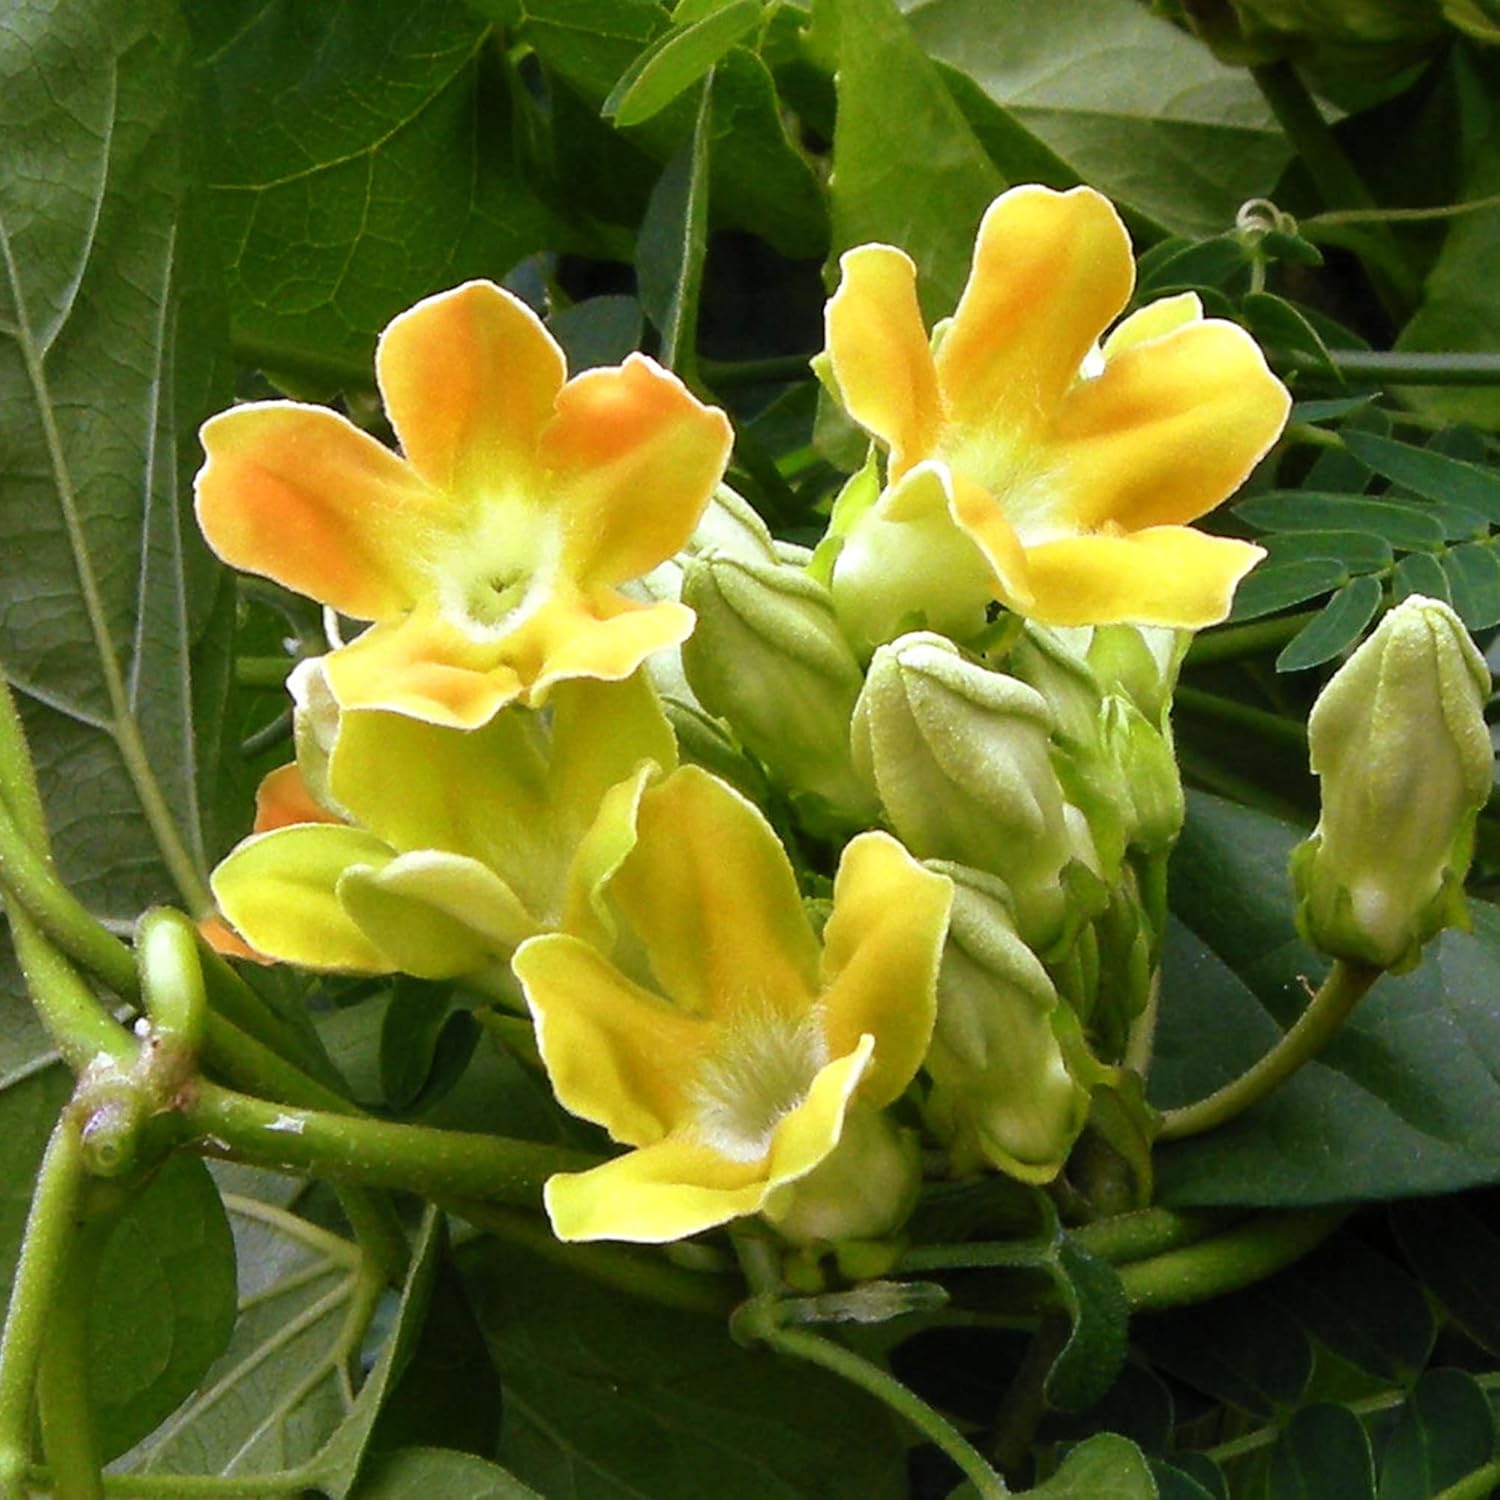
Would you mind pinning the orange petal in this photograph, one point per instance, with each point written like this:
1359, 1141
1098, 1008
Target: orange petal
423, 667
469, 378
880, 356
302, 496
282, 798
224, 940
1167, 575
635, 456
982, 516
1051, 272
1169, 429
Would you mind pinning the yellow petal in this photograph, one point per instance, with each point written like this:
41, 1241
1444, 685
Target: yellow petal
1153, 321
1051, 272
634, 457
597, 857
1167, 575
711, 894
1169, 429
660, 1193
278, 889
982, 517
301, 495
880, 356
881, 950
809, 1132
424, 667
282, 798
616, 1054
469, 378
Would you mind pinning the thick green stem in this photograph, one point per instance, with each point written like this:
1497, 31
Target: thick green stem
44, 1252
1291, 734
1314, 1028
932, 1424
166, 947
1025, 1402
1235, 642
1151, 1231
18, 775
1251, 1251
345, 1148
263, 671
776, 369
1394, 367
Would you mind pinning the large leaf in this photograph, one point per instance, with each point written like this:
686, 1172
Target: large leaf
1124, 99
110, 353
364, 158
439, 1474
609, 1398
1405, 1101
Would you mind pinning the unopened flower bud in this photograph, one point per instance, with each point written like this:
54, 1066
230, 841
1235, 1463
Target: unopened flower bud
865, 1189
1002, 1094
767, 655
1147, 766
961, 760
1399, 741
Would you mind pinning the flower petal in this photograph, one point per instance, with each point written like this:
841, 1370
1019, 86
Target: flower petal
301, 495
282, 799
635, 457
616, 1054
224, 940
711, 894
1051, 272
881, 951
880, 356
469, 378
426, 668
278, 890
982, 517
662, 1192
436, 915
1169, 429
603, 636
1166, 575
809, 1132
1153, 321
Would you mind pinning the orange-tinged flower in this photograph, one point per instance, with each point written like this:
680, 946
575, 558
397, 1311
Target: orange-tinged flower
489, 556
1072, 469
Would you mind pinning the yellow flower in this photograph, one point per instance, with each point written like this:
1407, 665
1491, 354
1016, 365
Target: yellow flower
1071, 469
489, 556
730, 1053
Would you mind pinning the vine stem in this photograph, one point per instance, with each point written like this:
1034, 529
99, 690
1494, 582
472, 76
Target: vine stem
1234, 642
1343, 989
45, 1248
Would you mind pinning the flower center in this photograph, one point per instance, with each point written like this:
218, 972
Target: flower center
758, 1074
504, 565
1018, 476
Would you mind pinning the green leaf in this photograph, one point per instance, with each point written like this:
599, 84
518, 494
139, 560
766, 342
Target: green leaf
1420, 573
366, 157
1090, 1361
610, 1398
426, 1038
1087, 80
673, 63
111, 351
163, 1303
438, 1474
907, 169
1405, 525
1337, 627
1349, 1126
1198, 263
1446, 1431
1328, 411
1103, 1467
1281, 325
1175, 1483
1243, 1350
673, 242
1434, 475
1455, 1253
1322, 1451
1277, 585
1474, 584
1358, 551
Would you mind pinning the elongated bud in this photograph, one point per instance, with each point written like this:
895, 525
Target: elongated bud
961, 760
1002, 1094
1399, 741
768, 656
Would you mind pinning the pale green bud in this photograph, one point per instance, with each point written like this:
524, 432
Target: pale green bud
768, 656
1147, 768
1002, 1093
961, 760
1140, 661
1399, 742
865, 1189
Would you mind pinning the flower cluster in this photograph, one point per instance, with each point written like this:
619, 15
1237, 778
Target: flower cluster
597, 705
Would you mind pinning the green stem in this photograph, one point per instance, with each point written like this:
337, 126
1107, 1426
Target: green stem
1335, 177
44, 1251
1272, 728
1395, 367
932, 1424
1398, 215
166, 947
1480, 1485
1150, 1231
376, 1153
1020, 1254
1314, 1028
354, 375
377, 1229
777, 369
1025, 1400
262, 671
1242, 1256
1235, 642
18, 776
